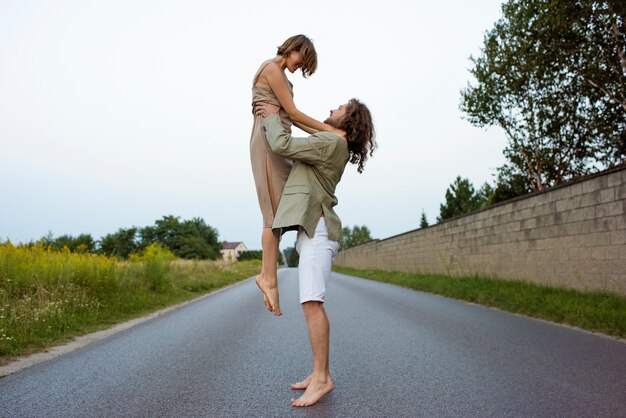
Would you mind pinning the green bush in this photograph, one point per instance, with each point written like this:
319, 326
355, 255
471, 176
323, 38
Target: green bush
154, 263
250, 255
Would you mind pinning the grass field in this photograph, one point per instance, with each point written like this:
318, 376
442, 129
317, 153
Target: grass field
593, 311
49, 297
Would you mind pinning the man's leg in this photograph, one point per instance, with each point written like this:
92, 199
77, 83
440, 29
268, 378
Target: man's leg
316, 256
320, 382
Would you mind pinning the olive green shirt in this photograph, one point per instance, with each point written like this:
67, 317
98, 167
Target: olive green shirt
319, 162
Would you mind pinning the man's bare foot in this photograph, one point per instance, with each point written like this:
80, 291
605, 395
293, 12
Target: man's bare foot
302, 385
314, 392
270, 295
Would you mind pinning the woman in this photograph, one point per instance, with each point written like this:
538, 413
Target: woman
270, 85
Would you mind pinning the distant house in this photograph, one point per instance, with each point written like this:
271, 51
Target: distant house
231, 250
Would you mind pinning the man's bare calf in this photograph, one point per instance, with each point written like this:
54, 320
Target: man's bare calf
319, 383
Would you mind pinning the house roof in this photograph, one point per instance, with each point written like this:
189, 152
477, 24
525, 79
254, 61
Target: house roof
230, 245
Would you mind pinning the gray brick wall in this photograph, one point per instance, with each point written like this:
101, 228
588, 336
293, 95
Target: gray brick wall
573, 236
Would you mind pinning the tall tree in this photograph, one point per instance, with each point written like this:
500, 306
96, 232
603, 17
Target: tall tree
119, 244
423, 220
596, 53
552, 75
190, 239
292, 257
462, 198
356, 236
509, 184
84, 243
484, 195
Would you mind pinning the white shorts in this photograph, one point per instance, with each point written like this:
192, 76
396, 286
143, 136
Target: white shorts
316, 256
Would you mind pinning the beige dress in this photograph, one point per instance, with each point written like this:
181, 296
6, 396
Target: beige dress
270, 171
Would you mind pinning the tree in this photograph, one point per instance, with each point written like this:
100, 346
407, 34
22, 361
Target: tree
84, 243
423, 220
120, 244
196, 230
552, 75
509, 185
194, 248
484, 195
461, 198
190, 239
356, 236
292, 257
252, 255
595, 51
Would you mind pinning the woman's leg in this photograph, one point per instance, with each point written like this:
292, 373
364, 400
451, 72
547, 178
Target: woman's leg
268, 279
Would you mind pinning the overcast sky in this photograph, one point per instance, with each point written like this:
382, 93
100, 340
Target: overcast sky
116, 113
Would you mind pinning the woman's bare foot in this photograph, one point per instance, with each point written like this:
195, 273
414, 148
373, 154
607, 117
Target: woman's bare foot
266, 302
302, 385
270, 295
317, 388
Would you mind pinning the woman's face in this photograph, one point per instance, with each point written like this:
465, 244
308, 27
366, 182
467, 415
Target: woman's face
294, 61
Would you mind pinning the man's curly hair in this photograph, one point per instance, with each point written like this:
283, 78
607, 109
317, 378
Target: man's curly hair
360, 134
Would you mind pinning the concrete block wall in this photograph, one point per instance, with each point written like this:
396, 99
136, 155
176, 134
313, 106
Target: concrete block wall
573, 235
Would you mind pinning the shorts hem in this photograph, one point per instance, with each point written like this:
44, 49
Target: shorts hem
312, 300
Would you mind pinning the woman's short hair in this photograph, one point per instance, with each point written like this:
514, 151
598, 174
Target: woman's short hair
304, 46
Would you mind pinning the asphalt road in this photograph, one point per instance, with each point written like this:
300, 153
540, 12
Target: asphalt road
394, 352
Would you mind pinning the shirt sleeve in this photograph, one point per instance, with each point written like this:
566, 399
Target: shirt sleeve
311, 150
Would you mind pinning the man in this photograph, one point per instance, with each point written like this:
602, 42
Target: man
307, 205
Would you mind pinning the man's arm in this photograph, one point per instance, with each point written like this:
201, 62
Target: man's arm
309, 150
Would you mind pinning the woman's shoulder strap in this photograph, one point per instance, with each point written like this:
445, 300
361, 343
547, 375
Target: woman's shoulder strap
258, 73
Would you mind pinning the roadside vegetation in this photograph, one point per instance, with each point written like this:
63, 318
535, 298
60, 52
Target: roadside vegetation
594, 311
50, 296
191, 239
552, 76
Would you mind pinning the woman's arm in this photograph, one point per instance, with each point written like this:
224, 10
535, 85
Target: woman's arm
276, 80
309, 150
313, 150
305, 128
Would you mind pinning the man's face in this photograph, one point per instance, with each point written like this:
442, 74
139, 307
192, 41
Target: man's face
336, 116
